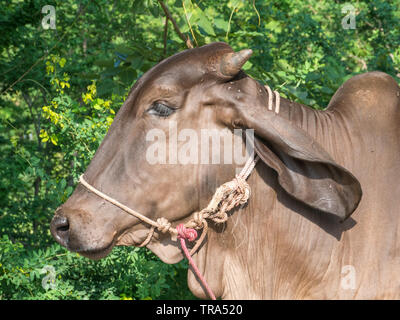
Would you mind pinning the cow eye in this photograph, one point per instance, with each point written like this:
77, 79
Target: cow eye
160, 109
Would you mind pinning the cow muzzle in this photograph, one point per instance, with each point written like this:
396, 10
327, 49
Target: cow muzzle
79, 232
59, 228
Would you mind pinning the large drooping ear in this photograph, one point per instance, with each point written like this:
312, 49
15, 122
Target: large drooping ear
305, 170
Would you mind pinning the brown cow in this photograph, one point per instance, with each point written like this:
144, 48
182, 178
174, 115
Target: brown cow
294, 239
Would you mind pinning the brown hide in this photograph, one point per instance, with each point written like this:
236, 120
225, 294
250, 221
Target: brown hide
295, 239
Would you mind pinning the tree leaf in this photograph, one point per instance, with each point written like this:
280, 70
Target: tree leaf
203, 22
104, 63
221, 24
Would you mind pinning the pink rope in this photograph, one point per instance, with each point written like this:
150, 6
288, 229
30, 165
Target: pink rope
191, 235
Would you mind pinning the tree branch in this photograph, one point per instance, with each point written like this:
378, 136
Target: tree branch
165, 37
176, 28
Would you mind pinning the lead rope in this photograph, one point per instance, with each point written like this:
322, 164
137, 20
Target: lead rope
191, 235
229, 195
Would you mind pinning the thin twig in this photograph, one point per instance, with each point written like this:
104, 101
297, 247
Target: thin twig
176, 28
27, 71
258, 14
16, 66
39, 84
44, 56
188, 22
165, 37
229, 23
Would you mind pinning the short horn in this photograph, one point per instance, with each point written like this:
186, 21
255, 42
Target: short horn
232, 62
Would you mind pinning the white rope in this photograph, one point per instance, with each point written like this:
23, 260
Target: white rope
163, 224
120, 205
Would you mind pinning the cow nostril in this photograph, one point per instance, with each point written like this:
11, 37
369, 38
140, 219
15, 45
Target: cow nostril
59, 228
63, 228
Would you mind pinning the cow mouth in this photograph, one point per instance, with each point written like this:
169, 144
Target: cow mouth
97, 253
125, 238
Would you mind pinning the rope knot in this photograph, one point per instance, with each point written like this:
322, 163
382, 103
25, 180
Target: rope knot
186, 233
198, 219
242, 190
163, 225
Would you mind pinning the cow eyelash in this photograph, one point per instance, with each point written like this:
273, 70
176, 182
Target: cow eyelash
160, 109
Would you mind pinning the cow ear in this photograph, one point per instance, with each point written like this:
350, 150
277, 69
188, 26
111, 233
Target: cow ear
305, 170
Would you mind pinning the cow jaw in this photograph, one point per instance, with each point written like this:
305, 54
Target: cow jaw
93, 252
97, 254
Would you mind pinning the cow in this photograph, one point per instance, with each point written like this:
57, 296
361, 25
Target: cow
322, 221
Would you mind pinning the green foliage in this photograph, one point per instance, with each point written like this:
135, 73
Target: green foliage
125, 274
61, 89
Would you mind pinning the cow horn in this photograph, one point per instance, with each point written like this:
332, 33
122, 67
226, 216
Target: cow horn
232, 62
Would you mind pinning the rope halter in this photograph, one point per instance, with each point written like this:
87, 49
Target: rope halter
228, 196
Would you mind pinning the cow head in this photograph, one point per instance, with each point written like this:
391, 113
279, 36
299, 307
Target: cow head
195, 89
